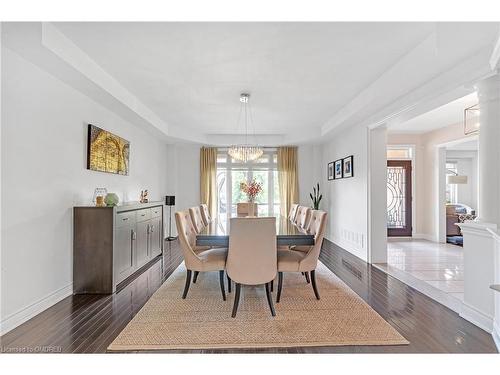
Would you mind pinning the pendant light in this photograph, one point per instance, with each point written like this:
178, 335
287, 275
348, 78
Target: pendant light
245, 152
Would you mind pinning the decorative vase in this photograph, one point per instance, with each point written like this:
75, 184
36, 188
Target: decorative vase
251, 208
111, 199
99, 201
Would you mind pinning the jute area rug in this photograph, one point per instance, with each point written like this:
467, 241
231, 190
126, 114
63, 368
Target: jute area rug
203, 320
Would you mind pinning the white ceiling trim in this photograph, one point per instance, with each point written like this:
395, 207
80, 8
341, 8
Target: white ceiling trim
66, 50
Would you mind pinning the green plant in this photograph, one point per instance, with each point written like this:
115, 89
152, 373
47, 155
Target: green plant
316, 197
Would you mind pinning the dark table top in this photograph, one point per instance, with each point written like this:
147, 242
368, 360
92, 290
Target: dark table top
287, 233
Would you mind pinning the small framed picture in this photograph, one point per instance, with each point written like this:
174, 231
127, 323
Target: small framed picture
338, 169
330, 171
349, 166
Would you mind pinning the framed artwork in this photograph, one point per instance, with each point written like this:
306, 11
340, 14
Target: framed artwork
338, 169
330, 171
107, 152
349, 166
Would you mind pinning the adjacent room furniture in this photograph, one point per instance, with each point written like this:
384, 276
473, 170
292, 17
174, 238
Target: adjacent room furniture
251, 258
170, 201
305, 262
203, 261
457, 213
111, 243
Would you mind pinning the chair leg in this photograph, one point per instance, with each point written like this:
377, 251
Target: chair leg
228, 283
195, 277
272, 285
306, 274
186, 287
236, 299
313, 281
270, 299
221, 280
280, 285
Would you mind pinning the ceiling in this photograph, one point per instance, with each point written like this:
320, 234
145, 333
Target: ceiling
298, 74
471, 145
307, 81
448, 114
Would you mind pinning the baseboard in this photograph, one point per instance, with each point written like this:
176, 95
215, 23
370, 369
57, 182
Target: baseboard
477, 317
496, 334
28, 312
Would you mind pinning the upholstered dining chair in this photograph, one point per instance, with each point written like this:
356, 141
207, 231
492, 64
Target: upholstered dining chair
196, 218
243, 209
205, 215
302, 216
305, 262
202, 261
252, 255
293, 212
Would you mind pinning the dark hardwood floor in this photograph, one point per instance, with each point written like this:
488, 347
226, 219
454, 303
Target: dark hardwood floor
89, 323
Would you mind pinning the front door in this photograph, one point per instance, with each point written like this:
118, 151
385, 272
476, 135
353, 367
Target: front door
399, 198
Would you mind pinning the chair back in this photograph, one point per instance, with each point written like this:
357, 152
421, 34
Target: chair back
195, 213
243, 209
187, 237
302, 217
317, 228
252, 255
205, 215
293, 212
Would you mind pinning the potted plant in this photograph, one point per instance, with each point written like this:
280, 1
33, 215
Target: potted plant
316, 197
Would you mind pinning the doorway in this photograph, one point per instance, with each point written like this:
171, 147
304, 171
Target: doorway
399, 198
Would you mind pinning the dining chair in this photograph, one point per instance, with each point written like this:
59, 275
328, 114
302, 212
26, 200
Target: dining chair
293, 212
243, 209
196, 218
205, 215
302, 217
203, 261
252, 255
305, 262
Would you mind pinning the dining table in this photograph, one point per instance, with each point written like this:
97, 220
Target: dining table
287, 233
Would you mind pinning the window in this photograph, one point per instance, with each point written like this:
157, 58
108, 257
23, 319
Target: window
399, 152
451, 189
230, 173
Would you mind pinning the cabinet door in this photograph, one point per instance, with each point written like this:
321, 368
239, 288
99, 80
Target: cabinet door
124, 249
142, 252
156, 237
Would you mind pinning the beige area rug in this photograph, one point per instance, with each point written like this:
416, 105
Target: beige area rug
203, 320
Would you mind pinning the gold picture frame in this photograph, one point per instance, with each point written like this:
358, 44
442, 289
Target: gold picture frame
107, 152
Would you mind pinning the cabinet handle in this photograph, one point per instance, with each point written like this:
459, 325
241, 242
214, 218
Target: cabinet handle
134, 234
125, 218
152, 228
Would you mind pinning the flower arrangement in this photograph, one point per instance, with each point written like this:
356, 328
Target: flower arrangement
251, 189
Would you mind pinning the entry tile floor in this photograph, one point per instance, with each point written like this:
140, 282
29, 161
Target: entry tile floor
435, 269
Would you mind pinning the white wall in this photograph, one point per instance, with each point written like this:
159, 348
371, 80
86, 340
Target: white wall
309, 171
44, 128
347, 199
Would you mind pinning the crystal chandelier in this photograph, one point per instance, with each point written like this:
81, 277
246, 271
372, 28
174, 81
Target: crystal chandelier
245, 152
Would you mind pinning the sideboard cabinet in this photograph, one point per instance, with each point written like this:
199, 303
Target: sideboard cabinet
111, 243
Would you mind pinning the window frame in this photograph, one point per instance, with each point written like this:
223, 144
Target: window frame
230, 165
